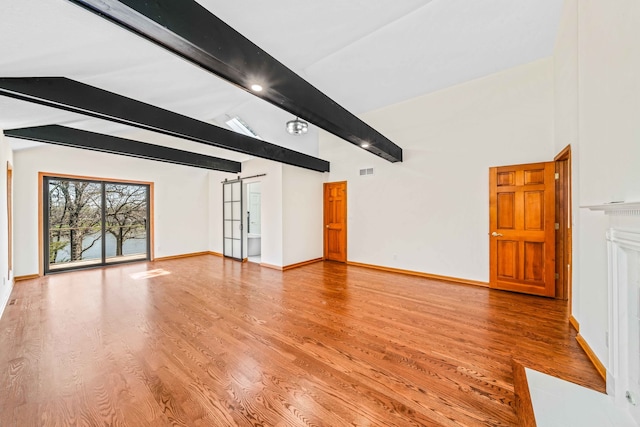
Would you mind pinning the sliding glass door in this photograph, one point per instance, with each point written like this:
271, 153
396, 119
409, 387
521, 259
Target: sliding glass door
93, 223
232, 219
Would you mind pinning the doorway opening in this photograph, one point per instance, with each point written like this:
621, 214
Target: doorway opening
254, 222
563, 219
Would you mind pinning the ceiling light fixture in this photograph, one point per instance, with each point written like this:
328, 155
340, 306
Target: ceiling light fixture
297, 127
364, 145
256, 87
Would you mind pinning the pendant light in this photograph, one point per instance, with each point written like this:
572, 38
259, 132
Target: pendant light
297, 127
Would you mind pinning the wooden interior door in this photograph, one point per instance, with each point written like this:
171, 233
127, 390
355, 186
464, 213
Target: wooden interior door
522, 228
335, 221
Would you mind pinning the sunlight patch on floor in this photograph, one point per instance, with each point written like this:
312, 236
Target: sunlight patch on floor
149, 274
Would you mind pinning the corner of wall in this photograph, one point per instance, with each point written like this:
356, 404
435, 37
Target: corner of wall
7, 288
302, 202
6, 281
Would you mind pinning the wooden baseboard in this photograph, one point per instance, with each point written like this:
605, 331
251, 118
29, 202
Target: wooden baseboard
574, 323
215, 253
592, 356
421, 274
26, 277
524, 406
166, 258
271, 266
290, 266
300, 264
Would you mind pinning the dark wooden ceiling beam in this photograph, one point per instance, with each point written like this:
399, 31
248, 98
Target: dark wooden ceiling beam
70, 137
70, 95
192, 32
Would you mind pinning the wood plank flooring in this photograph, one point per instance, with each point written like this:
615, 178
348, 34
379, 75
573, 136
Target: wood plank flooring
220, 343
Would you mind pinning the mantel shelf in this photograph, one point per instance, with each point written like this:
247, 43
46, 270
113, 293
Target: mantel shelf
622, 208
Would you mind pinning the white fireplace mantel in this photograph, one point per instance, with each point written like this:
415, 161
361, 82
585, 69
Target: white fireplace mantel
617, 208
623, 375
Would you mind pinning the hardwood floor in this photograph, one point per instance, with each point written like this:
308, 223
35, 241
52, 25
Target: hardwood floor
211, 342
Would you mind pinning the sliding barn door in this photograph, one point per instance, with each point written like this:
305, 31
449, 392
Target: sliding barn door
232, 219
522, 228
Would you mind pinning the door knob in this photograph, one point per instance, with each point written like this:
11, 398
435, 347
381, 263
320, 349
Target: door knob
327, 225
494, 234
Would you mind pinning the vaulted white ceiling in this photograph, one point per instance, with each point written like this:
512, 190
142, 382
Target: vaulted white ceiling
364, 54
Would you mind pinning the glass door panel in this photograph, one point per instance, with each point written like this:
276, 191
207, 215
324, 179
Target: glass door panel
126, 220
74, 221
232, 219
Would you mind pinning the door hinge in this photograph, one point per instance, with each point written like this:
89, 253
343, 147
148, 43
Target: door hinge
557, 225
557, 276
557, 175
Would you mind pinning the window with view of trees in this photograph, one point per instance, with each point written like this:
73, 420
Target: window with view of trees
92, 223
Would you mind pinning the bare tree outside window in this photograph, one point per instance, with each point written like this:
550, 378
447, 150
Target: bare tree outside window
126, 215
82, 232
74, 219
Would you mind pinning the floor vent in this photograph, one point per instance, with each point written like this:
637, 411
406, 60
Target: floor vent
368, 171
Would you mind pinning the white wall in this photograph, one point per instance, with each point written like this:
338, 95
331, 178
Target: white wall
566, 122
607, 100
430, 213
6, 281
180, 201
565, 62
302, 210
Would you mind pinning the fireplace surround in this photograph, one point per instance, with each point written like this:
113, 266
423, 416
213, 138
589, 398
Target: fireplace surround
623, 290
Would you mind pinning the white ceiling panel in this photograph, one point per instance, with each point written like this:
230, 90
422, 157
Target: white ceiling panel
447, 43
299, 34
18, 114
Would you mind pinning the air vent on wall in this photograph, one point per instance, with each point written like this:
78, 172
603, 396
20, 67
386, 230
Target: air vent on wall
368, 171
